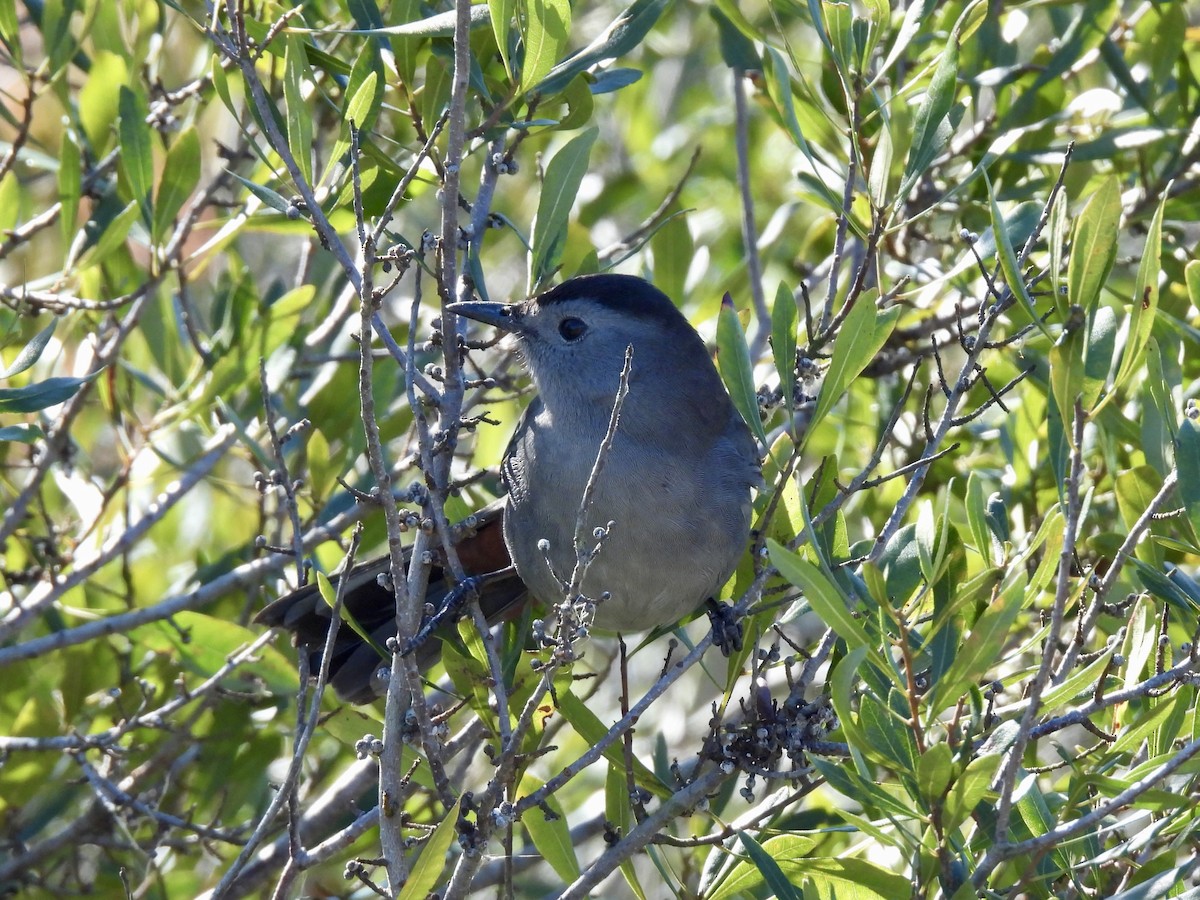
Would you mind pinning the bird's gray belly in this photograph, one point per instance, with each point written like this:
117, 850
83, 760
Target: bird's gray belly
660, 559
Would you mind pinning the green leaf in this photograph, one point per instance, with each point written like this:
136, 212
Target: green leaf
551, 836
822, 594
935, 769
362, 106
833, 879
931, 131
1187, 461
976, 507
1191, 276
136, 159
861, 336
779, 88
1080, 681
737, 50
180, 176
970, 788
10, 201
1094, 247
589, 727
9, 28
581, 102
733, 359
783, 344
99, 99
547, 26
34, 397
1140, 640
1144, 306
563, 176
1067, 377
772, 874
982, 648
619, 812
24, 434
914, 18
672, 247
204, 643
31, 352
299, 114
880, 172
888, 737
1100, 337
1008, 261
70, 183
622, 34
265, 194
113, 236
434, 858
501, 12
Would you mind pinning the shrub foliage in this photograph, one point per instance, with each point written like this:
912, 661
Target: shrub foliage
958, 246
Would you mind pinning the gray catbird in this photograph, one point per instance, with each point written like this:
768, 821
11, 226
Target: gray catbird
676, 484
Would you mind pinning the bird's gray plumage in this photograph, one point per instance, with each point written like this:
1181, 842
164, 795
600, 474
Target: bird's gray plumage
677, 483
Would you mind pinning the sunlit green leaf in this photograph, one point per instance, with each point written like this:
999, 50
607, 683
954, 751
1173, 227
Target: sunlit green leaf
31, 352
563, 176
733, 359
299, 116
180, 176
136, 160
547, 25
1094, 246
42, 394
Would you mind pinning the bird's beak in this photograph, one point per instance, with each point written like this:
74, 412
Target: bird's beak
505, 316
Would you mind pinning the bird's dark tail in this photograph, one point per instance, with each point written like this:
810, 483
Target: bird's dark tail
355, 661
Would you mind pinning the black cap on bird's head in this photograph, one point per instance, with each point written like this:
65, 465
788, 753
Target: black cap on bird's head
626, 294
574, 337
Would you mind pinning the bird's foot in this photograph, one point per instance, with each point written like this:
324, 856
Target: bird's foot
727, 628
449, 611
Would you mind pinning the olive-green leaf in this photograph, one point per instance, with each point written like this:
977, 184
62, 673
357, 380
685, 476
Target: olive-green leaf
31, 352
137, 159
433, 859
1094, 247
772, 874
180, 176
784, 315
70, 183
733, 359
299, 118
976, 506
1144, 306
547, 26
1008, 261
34, 397
563, 176
622, 34
862, 334
930, 133
550, 834
24, 434
822, 594
1187, 461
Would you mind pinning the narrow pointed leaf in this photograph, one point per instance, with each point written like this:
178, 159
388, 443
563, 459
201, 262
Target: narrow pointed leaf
733, 359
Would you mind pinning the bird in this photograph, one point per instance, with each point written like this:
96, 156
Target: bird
670, 510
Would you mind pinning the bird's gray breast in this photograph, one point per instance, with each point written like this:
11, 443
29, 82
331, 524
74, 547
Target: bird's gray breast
679, 516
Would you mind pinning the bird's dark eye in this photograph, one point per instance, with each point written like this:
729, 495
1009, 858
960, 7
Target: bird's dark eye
571, 328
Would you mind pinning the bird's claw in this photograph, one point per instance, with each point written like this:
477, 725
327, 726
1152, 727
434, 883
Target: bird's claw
726, 627
450, 610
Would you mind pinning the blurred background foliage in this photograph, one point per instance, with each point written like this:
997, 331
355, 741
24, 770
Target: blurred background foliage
155, 250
